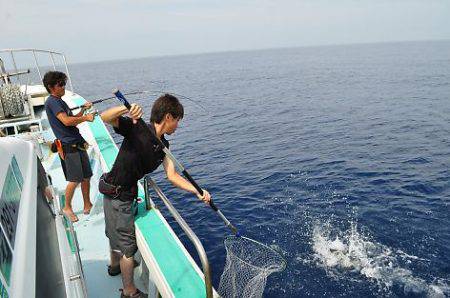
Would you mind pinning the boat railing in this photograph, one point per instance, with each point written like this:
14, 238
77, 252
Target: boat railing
15, 125
38, 67
80, 275
183, 224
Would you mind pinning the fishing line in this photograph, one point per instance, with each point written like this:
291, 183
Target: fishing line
152, 92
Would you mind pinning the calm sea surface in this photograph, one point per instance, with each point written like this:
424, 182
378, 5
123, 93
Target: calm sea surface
336, 156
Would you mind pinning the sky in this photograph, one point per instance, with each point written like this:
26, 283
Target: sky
95, 30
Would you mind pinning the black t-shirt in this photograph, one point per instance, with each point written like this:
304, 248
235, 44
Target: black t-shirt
138, 155
67, 134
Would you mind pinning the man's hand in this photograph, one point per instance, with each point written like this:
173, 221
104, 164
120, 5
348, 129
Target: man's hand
90, 117
206, 196
86, 106
135, 112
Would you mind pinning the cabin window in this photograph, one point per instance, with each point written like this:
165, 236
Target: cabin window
9, 211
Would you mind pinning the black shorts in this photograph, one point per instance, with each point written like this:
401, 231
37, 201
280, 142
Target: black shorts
119, 225
76, 166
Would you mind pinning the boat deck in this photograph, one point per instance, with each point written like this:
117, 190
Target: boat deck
166, 270
159, 247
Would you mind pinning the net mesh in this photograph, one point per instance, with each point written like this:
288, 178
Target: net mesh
12, 101
247, 267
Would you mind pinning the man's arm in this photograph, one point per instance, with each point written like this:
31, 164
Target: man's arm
112, 115
74, 120
178, 181
85, 107
81, 112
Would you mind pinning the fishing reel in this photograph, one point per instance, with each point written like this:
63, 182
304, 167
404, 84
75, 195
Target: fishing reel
91, 110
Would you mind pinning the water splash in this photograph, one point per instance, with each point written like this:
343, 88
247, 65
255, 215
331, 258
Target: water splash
353, 252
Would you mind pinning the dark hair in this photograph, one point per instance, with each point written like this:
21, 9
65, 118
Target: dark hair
51, 78
166, 104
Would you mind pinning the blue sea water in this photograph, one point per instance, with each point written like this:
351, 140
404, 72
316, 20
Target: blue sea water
337, 156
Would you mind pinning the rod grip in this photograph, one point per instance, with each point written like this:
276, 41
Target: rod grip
189, 177
77, 107
122, 98
93, 102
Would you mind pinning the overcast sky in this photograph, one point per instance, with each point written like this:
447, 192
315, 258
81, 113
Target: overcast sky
91, 30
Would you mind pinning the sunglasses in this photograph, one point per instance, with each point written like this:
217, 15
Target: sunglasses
61, 84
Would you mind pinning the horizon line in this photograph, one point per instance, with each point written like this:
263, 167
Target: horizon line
257, 49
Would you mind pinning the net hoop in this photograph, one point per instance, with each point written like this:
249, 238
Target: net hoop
248, 265
269, 250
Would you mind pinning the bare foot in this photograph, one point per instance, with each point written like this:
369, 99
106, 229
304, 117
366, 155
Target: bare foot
48, 193
87, 209
72, 216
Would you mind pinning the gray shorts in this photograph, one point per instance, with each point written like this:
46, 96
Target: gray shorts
119, 225
76, 166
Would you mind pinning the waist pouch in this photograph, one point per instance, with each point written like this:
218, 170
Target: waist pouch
108, 189
58, 147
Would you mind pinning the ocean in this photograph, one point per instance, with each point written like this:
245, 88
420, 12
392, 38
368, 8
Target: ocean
336, 156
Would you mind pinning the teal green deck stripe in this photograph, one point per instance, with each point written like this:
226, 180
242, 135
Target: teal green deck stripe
62, 202
178, 271
3, 292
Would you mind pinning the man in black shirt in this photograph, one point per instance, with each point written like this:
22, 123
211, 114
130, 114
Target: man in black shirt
139, 154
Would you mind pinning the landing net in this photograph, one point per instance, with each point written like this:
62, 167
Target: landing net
247, 267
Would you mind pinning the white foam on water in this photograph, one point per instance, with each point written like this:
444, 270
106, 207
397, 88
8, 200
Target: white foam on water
350, 251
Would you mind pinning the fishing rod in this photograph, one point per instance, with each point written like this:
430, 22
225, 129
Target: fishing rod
103, 99
93, 102
143, 92
166, 150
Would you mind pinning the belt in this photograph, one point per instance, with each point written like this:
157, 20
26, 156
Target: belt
106, 187
76, 146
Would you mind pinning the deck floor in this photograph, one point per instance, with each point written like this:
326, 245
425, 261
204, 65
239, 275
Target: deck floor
90, 229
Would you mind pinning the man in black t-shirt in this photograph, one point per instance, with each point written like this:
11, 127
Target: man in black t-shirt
75, 162
138, 155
